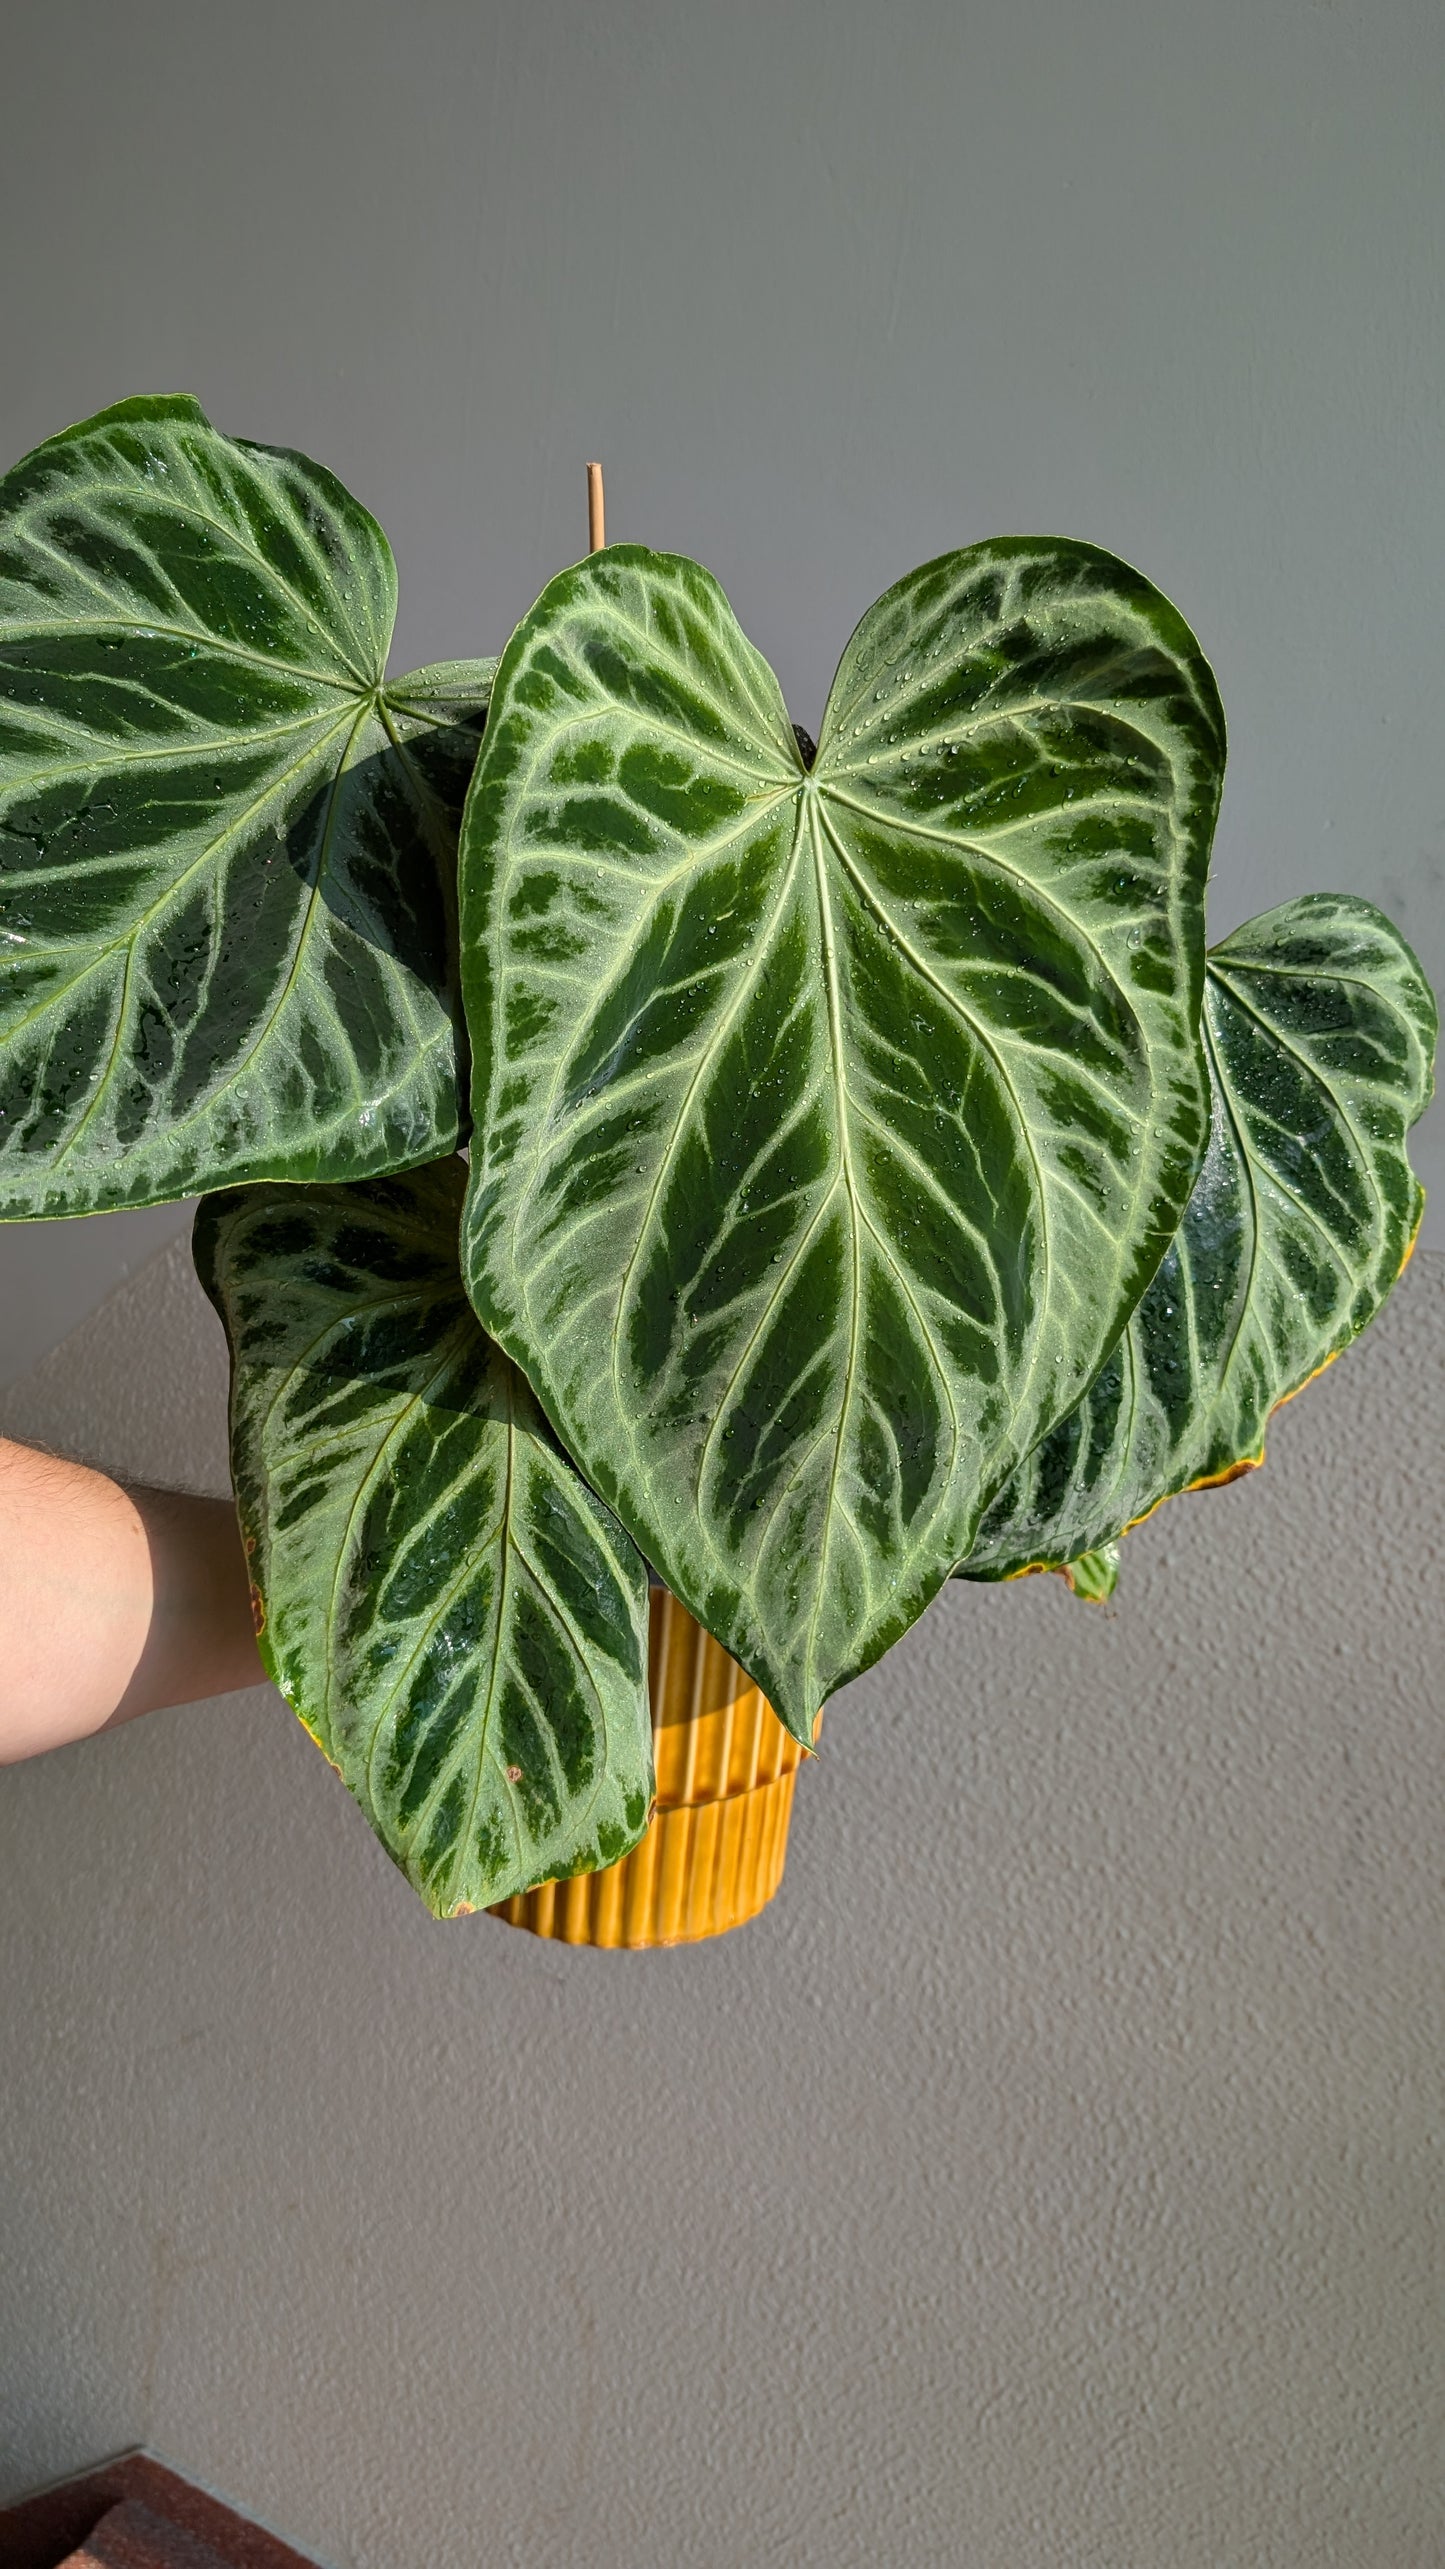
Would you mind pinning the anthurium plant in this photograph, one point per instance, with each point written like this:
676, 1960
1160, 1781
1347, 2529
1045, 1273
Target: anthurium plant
636, 1141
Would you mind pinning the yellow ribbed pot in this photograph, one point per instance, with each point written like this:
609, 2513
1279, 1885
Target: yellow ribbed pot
713, 1853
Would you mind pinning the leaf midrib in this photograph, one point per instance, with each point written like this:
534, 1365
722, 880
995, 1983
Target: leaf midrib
989, 1048
833, 1004
709, 1050
394, 1424
498, 1621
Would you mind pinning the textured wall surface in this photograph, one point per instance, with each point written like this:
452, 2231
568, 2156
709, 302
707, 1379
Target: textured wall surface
1052, 2177
831, 286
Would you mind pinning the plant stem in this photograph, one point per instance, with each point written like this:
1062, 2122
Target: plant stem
596, 515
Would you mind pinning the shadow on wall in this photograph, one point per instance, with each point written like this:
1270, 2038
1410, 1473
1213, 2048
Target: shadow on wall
54, 1274
1054, 2161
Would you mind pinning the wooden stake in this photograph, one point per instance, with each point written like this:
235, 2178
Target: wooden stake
596, 513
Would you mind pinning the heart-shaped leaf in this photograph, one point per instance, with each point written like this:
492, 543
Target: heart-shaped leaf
459, 1623
226, 844
830, 1122
1319, 1029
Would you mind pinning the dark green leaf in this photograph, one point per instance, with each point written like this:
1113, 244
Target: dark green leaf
226, 844
830, 1120
459, 1623
1320, 1029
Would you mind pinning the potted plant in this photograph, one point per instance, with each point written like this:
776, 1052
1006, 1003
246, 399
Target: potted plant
868, 1176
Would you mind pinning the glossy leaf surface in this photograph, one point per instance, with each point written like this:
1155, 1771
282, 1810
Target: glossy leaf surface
1320, 1030
459, 1623
829, 1121
227, 846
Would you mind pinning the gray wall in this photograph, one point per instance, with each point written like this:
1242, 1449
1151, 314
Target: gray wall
1050, 2179
830, 288
1053, 2176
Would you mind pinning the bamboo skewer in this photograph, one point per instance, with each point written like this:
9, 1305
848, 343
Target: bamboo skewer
596, 512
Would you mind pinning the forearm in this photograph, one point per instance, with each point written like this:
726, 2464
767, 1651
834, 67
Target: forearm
113, 1601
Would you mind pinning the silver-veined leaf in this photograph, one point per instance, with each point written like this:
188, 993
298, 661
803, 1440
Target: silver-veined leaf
1320, 1030
830, 1119
458, 1621
227, 845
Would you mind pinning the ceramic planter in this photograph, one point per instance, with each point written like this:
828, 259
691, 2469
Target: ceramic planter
714, 1849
